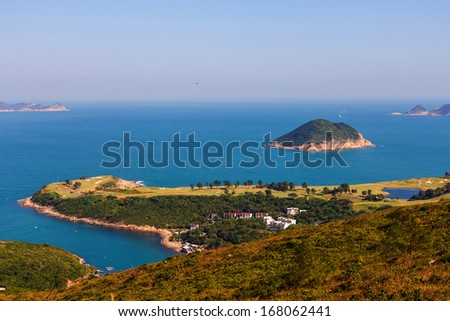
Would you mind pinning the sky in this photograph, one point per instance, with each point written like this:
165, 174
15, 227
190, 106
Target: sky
213, 50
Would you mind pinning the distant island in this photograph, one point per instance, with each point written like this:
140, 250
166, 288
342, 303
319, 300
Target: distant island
312, 136
31, 107
419, 110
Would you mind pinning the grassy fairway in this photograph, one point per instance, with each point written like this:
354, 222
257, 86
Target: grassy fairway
109, 185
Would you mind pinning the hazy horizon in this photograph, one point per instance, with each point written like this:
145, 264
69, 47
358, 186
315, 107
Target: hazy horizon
202, 51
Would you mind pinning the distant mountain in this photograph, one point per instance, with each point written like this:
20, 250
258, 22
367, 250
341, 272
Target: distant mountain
419, 110
31, 107
313, 136
444, 110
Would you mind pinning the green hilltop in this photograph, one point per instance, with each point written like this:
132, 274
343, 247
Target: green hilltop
315, 131
395, 254
37, 267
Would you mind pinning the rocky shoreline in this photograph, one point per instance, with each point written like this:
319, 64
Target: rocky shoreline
50, 211
330, 146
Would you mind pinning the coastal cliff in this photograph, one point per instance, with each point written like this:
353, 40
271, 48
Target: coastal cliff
322, 135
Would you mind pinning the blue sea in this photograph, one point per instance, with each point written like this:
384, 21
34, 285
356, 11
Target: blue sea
39, 148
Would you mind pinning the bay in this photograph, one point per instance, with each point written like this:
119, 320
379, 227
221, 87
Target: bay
39, 148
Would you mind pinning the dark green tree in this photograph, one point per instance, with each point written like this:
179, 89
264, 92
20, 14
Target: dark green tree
345, 187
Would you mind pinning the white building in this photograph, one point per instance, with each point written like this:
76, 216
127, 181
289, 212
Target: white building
268, 220
284, 222
280, 223
294, 211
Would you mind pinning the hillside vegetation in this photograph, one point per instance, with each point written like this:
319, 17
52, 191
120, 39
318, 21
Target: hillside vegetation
314, 131
25, 266
178, 211
396, 254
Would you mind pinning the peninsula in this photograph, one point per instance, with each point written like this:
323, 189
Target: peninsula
410, 261
322, 135
218, 215
115, 203
31, 107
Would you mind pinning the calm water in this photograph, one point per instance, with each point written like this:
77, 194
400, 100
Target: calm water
38, 148
403, 193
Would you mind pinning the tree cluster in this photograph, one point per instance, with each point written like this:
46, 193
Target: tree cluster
178, 211
431, 193
227, 232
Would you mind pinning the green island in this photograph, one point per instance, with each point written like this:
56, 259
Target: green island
22, 268
312, 136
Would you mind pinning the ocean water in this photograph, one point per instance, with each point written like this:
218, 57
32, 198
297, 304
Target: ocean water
39, 148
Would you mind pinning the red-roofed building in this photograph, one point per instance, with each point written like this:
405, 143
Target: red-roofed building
261, 214
245, 215
193, 226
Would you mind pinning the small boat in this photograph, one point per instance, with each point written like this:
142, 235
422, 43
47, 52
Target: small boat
110, 268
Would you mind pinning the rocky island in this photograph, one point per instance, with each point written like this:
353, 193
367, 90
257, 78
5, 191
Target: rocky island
31, 107
321, 135
419, 110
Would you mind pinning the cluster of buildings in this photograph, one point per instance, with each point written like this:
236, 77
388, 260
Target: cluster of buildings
280, 223
191, 248
294, 211
245, 215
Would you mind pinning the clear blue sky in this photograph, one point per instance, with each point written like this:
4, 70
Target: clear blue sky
246, 49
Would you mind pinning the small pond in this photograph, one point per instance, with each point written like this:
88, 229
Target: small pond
403, 193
